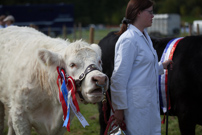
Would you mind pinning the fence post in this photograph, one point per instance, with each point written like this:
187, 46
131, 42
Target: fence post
64, 29
184, 27
74, 32
80, 30
49, 31
91, 35
2, 114
190, 29
197, 28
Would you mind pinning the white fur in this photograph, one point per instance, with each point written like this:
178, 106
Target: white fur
28, 88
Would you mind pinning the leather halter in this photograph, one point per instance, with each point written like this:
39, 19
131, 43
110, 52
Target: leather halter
82, 76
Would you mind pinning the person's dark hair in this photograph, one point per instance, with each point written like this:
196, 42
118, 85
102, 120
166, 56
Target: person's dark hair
2, 17
133, 8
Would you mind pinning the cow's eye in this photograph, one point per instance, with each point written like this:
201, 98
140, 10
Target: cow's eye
72, 65
100, 62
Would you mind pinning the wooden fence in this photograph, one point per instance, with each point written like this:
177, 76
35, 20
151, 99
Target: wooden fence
77, 32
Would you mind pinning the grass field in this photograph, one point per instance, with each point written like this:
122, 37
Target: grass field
99, 34
85, 34
90, 112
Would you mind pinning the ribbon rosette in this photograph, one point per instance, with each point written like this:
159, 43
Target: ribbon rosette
67, 96
163, 79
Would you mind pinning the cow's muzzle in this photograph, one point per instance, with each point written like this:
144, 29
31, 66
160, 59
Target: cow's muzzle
81, 78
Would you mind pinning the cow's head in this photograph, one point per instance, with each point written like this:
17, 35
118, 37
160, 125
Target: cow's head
76, 58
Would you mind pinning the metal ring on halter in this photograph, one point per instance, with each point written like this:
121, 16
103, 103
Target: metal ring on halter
102, 86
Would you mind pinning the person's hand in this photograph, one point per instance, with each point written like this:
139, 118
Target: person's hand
119, 116
166, 63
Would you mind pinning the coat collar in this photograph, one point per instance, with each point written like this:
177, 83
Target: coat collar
145, 35
132, 27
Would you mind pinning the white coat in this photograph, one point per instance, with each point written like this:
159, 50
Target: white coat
134, 82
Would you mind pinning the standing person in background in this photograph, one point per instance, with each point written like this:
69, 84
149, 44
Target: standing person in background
134, 81
9, 20
2, 24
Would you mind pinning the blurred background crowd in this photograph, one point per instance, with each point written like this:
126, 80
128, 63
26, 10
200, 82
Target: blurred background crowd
6, 21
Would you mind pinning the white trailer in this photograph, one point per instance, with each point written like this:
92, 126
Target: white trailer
194, 27
165, 25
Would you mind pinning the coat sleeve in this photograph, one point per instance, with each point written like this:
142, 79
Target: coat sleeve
125, 54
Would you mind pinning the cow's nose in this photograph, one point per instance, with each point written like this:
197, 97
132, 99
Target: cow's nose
100, 79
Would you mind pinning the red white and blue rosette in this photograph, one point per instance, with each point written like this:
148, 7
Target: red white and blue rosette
163, 79
67, 96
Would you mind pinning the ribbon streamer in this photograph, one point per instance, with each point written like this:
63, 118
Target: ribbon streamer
167, 54
79, 115
67, 96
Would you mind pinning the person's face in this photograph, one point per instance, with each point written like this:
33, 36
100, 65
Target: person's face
146, 17
8, 22
1, 23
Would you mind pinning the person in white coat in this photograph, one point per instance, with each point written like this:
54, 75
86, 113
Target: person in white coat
9, 21
134, 81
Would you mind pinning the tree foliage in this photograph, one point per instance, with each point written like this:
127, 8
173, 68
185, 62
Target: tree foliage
184, 8
112, 11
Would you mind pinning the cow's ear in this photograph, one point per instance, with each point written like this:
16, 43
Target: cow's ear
48, 58
97, 49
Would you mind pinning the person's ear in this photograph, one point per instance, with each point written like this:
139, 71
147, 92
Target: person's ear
139, 13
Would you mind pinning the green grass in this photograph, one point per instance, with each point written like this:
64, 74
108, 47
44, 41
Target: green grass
91, 114
98, 34
190, 19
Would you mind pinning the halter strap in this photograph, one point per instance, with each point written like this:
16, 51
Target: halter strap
82, 76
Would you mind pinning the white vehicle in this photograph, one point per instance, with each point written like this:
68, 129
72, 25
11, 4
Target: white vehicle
165, 25
194, 27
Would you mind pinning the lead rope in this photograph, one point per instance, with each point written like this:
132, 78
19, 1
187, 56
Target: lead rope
167, 113
104, 101
112, 118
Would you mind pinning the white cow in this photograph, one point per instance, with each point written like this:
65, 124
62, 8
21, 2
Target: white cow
28, 75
